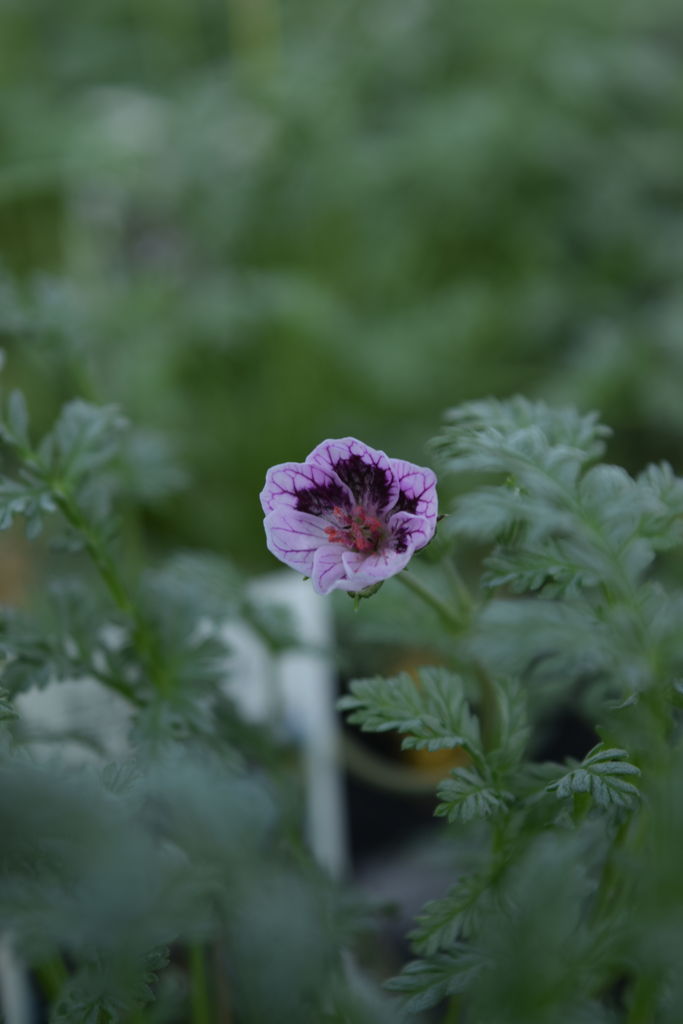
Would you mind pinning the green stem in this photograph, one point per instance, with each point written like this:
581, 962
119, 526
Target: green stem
51, 977
452, 1015
459, 587
489, 708
489, 712
99, 556
200, 991
447, 614
127, 691
644, 1001
144, 640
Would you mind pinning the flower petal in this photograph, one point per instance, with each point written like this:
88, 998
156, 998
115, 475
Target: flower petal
328, 568
366, 471
294, 537
364, 570
417, 489
305, 487
410, 531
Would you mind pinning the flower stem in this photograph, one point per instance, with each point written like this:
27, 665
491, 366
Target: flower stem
459, 587
446, 613
200, 993
457, 621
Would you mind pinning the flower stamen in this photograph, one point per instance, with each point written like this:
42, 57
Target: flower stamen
358, 530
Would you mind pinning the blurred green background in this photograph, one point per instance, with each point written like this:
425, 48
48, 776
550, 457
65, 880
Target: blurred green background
258, 223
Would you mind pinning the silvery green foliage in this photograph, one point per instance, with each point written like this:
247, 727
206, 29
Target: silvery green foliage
130, 886
572, 907
564, 527
84, 439
603, 774
433, 715
113, 867
569, 905
540, 144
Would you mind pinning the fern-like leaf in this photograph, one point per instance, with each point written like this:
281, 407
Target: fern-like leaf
427, 982
432, 711
444, 921
465, 795
605, 774
520, 437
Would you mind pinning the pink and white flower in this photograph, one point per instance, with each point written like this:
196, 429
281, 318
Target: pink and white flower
348, 516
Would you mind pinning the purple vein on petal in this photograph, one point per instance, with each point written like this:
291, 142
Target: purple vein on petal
417, 489
294, 537
300, 485
365, 471
328, 568
410, 531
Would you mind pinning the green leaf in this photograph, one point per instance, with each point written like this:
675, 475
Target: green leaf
465, 795
428, 982
29, 658
611, 509
558, 640
84, 439
71, 639
526, 439
7, 712
556, 566
601, 773
443, 921
548, 951
150, 469
489, 512
15, 428
663, 495
197, 585
107, 991
513, 724
27, 497
432, 710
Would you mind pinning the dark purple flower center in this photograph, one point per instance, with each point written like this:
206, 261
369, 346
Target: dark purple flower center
358, 530
369, 484
319, 500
